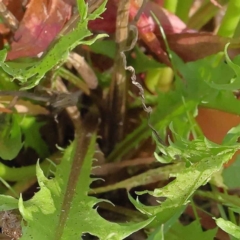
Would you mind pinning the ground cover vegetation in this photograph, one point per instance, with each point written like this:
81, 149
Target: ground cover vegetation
119, 119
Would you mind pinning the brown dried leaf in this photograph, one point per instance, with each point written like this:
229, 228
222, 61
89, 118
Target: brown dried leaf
82, 67
16, 8
194, 46
22, 106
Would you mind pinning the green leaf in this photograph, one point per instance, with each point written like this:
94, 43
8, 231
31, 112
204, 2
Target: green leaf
234, 66
3, 55
230, 83
189, 232
206, 159
32, 137
106, 48
100, 9
228, 227
195, 91
191, 151
6, 82
160, 119
50, 214
162, 230
141, 62
8, 203
10, 136
82, 9
231, 174
232, 136
201, 78
148, 177
223, 198
30, 76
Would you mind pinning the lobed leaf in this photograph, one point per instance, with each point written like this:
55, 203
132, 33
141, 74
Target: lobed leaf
205, 162
49, 215
31, 75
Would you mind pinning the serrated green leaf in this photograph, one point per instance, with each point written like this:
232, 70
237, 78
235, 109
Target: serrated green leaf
208, 159
82, 9
193, 151
47, 218
160, 119
97, 13
30, 76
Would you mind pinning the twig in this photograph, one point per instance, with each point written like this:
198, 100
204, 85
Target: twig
83, 69
117, 93
57, 100
113, 167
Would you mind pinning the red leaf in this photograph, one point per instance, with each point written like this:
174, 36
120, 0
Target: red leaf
193, 46
41, 23
108, 21
169, 22
188, 44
